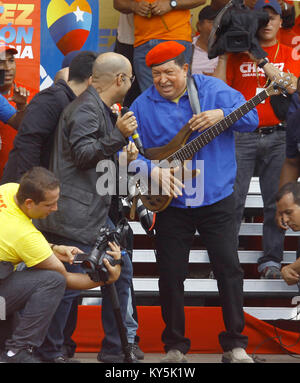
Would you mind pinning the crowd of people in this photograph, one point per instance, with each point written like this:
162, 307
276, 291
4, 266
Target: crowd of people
50, 164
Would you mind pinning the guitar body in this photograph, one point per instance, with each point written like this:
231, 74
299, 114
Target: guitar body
160, 202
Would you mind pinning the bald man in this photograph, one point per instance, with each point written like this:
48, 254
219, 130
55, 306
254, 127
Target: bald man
87, 140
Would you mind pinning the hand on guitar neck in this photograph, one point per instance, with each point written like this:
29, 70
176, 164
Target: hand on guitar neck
206, 119
169, 180
274, 74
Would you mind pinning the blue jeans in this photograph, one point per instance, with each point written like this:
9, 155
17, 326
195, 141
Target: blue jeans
142, 71
130, 323
112, 346
262, 156
52, 346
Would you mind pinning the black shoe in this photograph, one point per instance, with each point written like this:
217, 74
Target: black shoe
61, 359
22, 356
137, 351
116, 358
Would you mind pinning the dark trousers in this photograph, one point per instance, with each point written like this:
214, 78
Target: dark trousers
261, 155
175, 232
35, 295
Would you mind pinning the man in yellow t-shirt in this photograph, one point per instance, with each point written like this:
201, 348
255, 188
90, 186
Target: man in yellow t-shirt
38, 290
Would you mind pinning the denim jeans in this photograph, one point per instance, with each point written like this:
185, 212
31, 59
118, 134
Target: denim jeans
130, 323
35, 295
112, 345
263, 156
142, 71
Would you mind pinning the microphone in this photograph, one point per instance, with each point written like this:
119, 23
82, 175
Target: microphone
135, 136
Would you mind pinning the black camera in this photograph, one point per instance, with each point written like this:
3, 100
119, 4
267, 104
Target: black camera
93, 262
235, 28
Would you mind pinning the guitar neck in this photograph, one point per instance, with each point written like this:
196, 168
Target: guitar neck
188, 150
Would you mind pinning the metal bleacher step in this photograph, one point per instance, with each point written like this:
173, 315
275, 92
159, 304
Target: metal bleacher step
201, 256
265, 287
252, 229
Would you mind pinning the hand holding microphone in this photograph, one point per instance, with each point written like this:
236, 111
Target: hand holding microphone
128, 126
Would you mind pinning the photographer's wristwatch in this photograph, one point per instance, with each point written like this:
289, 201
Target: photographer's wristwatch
117, 262
263, 63
173, 4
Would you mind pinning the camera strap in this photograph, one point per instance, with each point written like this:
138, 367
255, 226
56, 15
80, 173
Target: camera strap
193, 95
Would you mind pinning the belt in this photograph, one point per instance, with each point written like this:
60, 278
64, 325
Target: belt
270, 129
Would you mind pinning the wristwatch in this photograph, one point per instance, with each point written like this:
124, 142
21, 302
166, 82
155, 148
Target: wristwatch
115, 262
263, 63
173, 4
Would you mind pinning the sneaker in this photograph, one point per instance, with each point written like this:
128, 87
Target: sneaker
271, 272
137, 351
174, 356
236, 355
22, 356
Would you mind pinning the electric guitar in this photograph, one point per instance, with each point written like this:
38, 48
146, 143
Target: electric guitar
177, 151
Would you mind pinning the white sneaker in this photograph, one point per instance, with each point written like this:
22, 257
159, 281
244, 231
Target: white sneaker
174, 356
236, 355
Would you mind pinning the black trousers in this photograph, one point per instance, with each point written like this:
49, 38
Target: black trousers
175, 229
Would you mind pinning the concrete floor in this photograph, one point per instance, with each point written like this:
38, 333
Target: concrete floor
197, 358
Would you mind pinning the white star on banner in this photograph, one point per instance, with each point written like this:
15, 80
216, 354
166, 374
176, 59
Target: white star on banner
79, 14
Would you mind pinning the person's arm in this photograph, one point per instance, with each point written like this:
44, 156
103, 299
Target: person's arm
291, 273
142, 8
221, 68
158, 7
161, 7
290, 171
79, 281
20, 96
89, 139
274, 74
16, 120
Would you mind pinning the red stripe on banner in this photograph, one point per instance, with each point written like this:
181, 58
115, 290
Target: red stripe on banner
203, 325
77, 37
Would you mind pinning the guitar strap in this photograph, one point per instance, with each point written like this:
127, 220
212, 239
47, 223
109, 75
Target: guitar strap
193, 95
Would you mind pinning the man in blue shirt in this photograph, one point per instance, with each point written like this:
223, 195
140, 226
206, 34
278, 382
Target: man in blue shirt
161, 112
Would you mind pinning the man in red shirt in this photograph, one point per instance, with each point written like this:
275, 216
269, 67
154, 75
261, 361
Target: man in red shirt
12, 93
262, 152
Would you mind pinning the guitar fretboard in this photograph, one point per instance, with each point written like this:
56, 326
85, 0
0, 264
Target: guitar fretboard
188, 150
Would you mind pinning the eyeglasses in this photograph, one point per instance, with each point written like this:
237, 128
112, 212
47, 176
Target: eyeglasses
131, 78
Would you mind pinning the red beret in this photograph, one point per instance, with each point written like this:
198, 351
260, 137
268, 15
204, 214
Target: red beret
163, 52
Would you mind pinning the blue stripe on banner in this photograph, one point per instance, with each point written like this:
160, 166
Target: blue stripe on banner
68, 23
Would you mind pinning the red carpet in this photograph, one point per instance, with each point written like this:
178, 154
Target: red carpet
203, 324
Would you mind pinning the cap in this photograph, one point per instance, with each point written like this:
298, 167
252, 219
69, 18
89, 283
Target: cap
207, 13
163, 52
268, 3
4, 47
